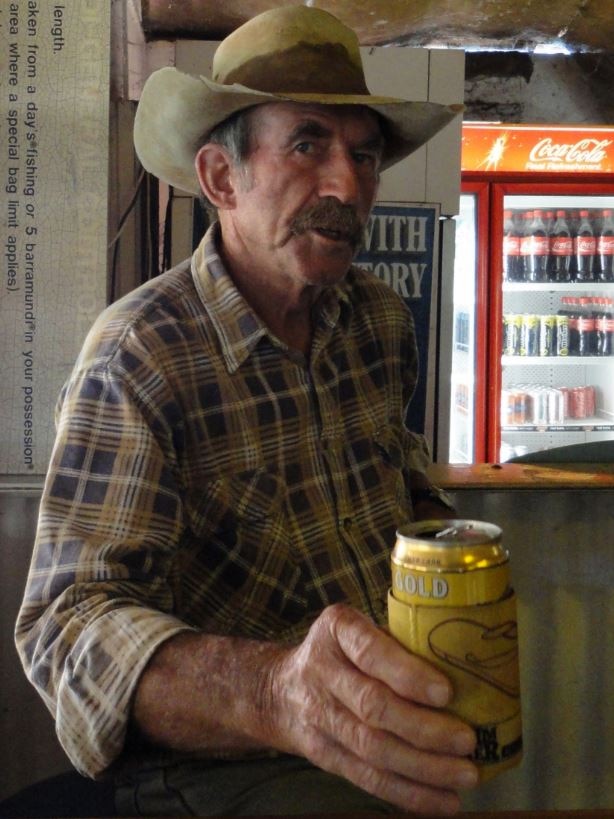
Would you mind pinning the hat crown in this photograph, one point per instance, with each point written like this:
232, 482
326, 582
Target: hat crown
294, 49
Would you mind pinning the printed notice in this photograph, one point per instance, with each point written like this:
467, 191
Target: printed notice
53, 174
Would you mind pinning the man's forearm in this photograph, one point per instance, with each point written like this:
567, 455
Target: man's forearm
204, 692
349, 698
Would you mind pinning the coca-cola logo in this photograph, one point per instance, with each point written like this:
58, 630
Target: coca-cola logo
562, 246
583, 152
586, 245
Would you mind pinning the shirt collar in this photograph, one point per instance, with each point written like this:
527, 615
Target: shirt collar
238, 327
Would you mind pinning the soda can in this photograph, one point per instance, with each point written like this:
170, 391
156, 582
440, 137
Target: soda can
527, 406
539, 405
451, 602
547, 335
507, 408
530, 335
589, 392
555, 407
565, 392
562, 335
578, 402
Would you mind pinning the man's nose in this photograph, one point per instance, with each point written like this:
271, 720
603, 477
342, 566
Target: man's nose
340, 178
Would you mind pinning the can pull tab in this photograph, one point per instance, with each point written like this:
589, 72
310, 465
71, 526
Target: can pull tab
455, 531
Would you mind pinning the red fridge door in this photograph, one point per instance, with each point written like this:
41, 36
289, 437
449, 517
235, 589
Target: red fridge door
551, 317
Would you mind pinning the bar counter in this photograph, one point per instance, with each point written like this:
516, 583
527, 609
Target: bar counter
523, 476
504, 814
558, 524
557, 521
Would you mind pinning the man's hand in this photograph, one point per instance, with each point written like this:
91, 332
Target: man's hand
354, 702
349, 698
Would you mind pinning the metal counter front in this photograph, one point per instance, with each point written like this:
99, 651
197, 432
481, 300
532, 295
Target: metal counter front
558, 523
562, 565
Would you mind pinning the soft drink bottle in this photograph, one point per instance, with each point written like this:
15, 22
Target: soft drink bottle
599, 312
585, 249
570, 308
539, 249
549, 220
605, 248
586, 328
608, 340
526, 221
561, 249
511, 248
573, 220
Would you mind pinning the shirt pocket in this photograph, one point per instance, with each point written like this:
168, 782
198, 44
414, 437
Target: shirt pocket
250, 582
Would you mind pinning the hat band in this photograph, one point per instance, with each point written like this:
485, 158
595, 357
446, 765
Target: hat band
302, 69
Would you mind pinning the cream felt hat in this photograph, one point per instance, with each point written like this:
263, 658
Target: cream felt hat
293, 53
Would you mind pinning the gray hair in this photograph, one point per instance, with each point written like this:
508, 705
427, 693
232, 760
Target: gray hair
234, 134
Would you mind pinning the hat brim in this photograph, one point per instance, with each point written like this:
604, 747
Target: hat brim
177, 110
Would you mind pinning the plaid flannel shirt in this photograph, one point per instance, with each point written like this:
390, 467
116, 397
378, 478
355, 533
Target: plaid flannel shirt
207, 477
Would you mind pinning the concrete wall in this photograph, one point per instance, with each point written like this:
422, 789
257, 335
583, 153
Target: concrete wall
521, 87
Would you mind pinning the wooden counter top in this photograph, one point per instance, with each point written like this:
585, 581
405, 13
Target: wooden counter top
606, 813
523, 476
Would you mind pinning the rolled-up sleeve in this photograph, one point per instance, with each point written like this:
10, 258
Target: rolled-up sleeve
99, 596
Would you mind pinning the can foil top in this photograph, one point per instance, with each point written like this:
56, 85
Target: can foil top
449, 546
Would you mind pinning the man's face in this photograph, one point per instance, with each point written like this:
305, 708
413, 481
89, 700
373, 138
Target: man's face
304, 198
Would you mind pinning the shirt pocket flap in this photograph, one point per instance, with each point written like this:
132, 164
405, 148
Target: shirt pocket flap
251, 496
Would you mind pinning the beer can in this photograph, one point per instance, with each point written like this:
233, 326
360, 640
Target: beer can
530, 335
562, 335
451, 602
512, 333
547, 335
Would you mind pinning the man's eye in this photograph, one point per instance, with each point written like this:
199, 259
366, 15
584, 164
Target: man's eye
304, 147
365, 158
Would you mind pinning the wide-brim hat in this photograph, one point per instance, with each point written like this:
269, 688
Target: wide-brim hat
294, 53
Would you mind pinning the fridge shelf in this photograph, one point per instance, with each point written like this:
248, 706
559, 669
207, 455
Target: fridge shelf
558, 287
578, 425
553, 360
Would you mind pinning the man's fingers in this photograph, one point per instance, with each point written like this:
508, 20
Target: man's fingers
388, 785
374, 704
388, 751
378, 655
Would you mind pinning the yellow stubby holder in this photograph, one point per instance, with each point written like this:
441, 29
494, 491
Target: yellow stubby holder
451, 602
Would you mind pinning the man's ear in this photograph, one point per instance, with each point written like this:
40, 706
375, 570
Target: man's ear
214, 171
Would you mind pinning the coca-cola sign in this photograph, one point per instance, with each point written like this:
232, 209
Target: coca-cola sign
557, 149
584, 152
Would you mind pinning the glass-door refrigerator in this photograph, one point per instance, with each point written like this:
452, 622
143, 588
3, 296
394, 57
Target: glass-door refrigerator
533, 318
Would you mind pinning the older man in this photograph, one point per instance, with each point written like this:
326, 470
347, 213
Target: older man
204, 608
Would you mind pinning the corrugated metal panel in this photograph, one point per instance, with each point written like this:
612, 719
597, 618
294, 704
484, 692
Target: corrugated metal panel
563, 569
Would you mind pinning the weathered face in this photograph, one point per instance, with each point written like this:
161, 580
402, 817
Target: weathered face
304, 198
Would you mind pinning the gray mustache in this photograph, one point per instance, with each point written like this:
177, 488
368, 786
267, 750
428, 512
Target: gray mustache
330, 214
